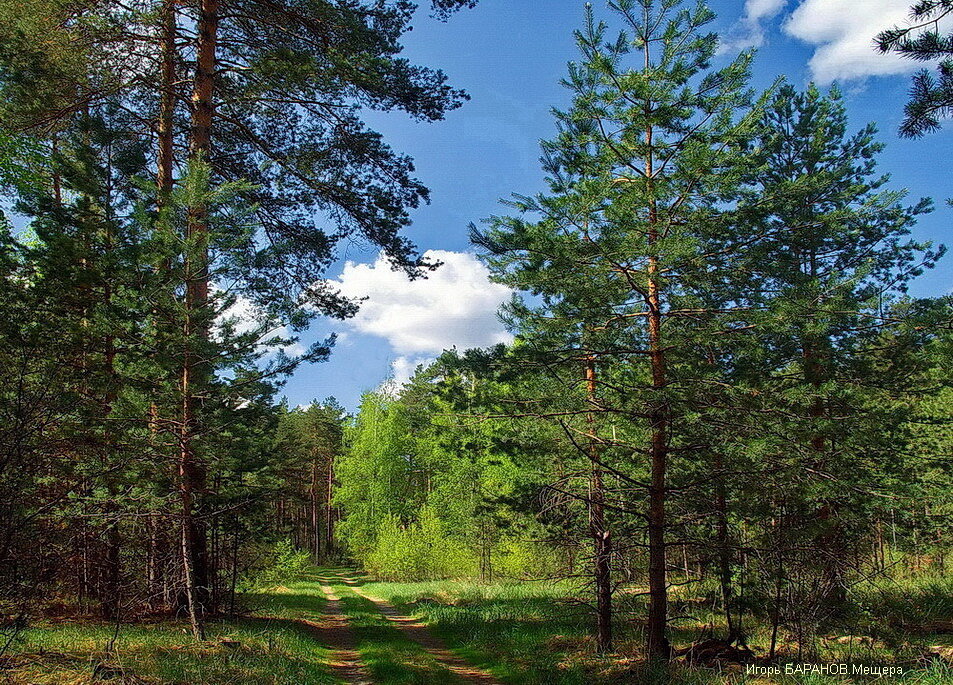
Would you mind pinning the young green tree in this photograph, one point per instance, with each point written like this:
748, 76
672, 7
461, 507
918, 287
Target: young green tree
432, 481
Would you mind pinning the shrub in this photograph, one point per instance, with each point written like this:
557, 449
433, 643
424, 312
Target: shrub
287, 563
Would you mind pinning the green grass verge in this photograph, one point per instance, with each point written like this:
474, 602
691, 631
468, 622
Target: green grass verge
537, 633
274, 650
526, 633
522, 633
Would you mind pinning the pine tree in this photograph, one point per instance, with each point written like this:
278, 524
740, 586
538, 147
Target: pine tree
263, 99
832, 255
931, 96
79, 273
632, 238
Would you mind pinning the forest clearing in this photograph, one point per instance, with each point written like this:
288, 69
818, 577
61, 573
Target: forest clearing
326, 625
678, 408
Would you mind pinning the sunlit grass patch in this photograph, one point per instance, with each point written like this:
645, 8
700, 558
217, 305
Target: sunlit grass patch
535, 633
506, 628
918, 605
532, 633
248, 650
254, 649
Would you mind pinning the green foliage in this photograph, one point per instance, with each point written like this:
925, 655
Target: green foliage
931, 97
56, 57
21, 160
421, 549
428, 489
287, 564
711, 303
723, 266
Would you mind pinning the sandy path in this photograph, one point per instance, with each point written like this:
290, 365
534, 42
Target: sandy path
345, 661
419, 633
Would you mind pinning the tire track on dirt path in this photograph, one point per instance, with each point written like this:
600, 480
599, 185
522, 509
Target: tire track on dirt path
335, 632
420, 633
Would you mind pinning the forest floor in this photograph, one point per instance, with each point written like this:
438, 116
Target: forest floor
320, 628
335, 626
540, 633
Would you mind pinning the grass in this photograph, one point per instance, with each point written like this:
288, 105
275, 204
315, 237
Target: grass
921, 605
249, 650
519, 632
526, 633
537, 633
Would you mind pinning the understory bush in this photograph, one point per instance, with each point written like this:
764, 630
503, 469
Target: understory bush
286, 563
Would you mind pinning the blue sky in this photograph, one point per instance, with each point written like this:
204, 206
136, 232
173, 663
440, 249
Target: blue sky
510, 55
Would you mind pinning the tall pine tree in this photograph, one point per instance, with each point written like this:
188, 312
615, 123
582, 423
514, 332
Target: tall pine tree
625, 250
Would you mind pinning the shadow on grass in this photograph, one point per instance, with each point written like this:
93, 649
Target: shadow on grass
301, 628
286, 602
344, 576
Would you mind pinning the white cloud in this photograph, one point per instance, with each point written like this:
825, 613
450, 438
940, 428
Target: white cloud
756, 10
455, 305
402, 369
749, 31
843, 33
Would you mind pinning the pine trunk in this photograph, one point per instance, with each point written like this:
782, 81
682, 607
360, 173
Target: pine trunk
195, 369
315, 511
601, 537
166, 150
657, 641
110, 590
329, 511
829, 540
724, 551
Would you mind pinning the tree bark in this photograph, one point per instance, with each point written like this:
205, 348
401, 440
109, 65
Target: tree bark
110, 592
157, 572
329, 511
195, 369
724, 551
601, 537
657, 641
315, 511
829, 541
658, 646
165, 133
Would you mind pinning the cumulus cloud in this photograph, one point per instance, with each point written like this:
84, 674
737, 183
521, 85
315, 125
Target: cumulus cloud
402, 369
756, 10
843, 33
749, 31
455, 305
